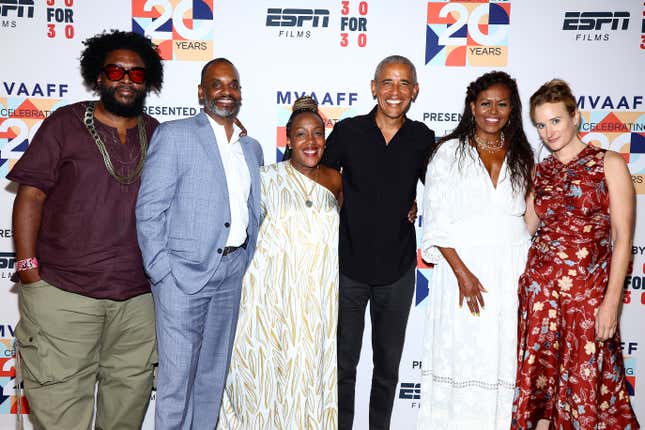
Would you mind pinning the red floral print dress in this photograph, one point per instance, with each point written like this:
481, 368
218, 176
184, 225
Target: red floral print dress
564, 374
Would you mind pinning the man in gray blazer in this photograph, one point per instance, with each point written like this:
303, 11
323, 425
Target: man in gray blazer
197, 223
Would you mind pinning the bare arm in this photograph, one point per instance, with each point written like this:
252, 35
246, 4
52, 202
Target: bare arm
621, 210
469, 286
530, 217
412, 213
27, 215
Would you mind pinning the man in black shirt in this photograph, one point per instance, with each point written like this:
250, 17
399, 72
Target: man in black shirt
382, 155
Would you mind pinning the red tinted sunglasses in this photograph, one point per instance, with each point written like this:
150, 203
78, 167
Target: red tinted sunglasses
114, 72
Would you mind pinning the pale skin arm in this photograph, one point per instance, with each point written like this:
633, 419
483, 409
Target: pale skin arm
27, 215
469, 285
530, 217
621, 210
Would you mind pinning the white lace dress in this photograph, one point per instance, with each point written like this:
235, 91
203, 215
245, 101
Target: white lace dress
469, 362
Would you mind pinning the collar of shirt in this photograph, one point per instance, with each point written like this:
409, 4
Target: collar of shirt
238, 181
220, 132
369, 120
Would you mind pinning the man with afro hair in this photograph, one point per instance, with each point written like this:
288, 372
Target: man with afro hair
86, 312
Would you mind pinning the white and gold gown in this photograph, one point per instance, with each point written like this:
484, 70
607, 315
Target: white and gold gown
283, 366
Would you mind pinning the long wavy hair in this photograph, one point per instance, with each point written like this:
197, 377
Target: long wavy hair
519, 154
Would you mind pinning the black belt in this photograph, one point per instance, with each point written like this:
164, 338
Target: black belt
230, 249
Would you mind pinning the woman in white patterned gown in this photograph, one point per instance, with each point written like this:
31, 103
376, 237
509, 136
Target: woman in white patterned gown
474, 232
283, 367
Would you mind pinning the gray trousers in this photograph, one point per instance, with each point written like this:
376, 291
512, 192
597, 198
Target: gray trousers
195, 335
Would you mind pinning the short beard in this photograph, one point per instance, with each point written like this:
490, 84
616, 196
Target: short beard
115, 107
210, 105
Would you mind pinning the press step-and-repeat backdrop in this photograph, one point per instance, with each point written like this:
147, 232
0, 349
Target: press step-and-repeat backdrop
329, 49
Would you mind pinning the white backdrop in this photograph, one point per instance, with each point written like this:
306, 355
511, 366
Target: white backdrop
284, 48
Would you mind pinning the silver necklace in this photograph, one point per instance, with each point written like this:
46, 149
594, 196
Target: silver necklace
88, 120
487, 146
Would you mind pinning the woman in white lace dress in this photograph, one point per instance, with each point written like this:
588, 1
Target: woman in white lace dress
475, 234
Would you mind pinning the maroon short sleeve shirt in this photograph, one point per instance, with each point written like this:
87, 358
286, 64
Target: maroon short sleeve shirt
87, 242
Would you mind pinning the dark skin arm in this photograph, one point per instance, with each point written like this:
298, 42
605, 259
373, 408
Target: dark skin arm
470, 288
412, 213
332, 180
27, 215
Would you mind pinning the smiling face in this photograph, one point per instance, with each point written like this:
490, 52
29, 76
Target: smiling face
123, 97
557, 128
491, 111
394, 90
307, 141
221, 92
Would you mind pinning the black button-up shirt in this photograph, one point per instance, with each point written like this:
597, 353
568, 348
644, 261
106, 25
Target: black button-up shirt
377, 242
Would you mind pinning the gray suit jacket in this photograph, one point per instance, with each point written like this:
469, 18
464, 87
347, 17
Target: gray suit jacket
182, 209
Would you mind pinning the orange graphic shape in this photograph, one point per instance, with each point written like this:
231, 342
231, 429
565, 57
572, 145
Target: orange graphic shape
422, 264
9, 134
138, 12
8, 373
165, 49
281, 137
177, 36
506, 7
433, 14
24, 405
456, 57
611, 122
470, 41
188, 23
27, 105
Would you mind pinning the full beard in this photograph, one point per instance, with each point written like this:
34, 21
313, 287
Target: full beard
210, 105
129, 110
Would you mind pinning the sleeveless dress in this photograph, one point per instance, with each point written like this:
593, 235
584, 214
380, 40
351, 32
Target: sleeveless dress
564, 374
469, 362
283, 366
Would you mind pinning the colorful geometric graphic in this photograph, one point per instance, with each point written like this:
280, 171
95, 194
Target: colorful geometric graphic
630, 374
8, 398
20, 118
620, 131
467, 33
181, 29
424, 270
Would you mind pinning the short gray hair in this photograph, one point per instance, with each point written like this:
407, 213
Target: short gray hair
396, 59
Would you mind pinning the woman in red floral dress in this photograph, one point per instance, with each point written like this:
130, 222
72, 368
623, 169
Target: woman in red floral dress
570, 371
